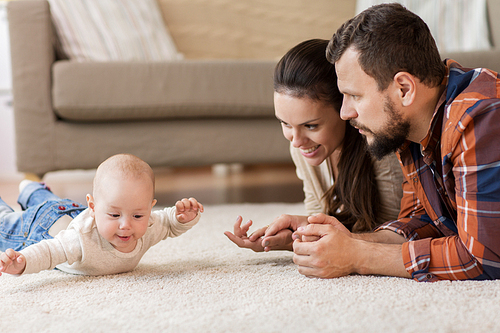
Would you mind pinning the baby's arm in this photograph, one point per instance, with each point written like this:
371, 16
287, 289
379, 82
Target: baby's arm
187, 209
12, 262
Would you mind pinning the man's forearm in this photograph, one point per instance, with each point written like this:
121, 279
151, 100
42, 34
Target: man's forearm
382, 236
379, 253
380, 259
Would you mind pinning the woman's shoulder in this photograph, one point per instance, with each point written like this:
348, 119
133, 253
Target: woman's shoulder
389, 177
388, 164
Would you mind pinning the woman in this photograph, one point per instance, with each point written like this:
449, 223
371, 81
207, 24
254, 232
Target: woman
340, 178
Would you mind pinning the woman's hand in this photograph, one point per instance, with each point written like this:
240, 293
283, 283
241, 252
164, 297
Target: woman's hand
285, 221
278, 234
241, 239
279, 238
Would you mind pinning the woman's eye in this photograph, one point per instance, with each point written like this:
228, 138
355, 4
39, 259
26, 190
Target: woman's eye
284, 124
311, 127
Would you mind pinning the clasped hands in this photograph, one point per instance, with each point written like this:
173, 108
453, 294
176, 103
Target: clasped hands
321, 244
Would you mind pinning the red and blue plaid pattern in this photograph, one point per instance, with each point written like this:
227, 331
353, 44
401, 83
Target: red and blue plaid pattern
450, 210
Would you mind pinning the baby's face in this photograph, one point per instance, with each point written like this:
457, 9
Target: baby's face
122, 211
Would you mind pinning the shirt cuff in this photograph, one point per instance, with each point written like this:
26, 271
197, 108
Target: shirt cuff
412, 228
417, 258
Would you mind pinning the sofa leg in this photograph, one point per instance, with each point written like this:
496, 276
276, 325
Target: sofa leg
237, 167
223, 169
32, 176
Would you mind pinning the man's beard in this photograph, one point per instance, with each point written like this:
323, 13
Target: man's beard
392, 137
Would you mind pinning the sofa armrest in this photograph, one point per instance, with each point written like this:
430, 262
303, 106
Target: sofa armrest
32, 55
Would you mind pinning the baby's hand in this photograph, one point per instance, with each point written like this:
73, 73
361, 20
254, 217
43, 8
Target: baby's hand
12, 262
187, 209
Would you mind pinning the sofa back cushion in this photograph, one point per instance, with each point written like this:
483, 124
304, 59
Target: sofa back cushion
112, 30
117, 91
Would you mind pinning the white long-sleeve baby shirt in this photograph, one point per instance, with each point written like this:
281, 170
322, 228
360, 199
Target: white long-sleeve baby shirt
80, 249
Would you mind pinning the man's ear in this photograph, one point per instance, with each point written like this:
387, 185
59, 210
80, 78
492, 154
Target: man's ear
91, 204
407, 86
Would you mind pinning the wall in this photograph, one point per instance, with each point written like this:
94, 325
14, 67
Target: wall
7, 152
252, 29
5, 75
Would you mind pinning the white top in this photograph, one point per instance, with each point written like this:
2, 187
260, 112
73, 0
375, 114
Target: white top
80, 249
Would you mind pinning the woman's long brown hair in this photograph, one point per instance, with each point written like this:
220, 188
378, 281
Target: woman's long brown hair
354, 198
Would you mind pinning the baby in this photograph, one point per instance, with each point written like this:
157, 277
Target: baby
108, 237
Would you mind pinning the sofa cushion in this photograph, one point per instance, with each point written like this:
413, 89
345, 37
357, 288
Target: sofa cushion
161, 90
112, 30
476, 59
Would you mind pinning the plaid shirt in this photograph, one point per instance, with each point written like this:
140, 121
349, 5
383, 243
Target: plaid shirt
450, 210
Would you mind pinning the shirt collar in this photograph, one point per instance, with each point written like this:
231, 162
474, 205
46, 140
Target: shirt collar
434, 132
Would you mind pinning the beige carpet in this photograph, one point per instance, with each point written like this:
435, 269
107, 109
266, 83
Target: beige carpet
201, 282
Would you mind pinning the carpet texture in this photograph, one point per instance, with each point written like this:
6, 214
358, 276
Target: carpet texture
201, 282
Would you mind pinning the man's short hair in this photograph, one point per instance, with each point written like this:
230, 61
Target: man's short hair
390, 39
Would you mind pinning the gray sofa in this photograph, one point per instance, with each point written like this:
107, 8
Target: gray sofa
73, 115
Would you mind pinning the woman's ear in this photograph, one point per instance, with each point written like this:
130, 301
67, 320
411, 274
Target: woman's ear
406, 85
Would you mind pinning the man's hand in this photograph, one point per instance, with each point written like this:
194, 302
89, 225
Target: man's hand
187, 209
338, 252
330, 255
12, 262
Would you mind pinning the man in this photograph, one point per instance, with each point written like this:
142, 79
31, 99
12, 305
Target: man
443, 121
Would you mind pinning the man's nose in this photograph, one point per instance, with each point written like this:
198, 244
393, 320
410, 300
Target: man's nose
347, 112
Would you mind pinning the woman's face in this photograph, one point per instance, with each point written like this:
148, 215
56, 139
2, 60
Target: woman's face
312, 126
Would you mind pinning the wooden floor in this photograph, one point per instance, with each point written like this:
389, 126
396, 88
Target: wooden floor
210, 185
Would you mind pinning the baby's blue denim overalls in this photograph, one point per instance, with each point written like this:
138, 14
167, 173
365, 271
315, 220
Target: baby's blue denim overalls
41, 208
